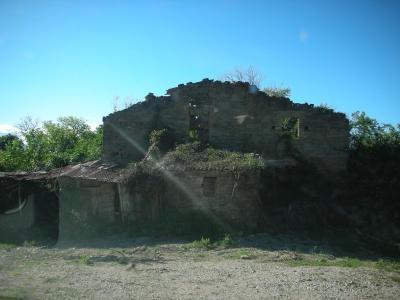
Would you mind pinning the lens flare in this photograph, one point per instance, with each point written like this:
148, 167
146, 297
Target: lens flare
172, 178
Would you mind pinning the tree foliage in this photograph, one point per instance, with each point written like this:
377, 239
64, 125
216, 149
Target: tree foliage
6, 140
51, 145
374, 168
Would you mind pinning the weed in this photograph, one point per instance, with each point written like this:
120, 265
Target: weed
345, 262
193, 156
388, 265
203, 243
29, 243
226, 242
6, 246
85, 260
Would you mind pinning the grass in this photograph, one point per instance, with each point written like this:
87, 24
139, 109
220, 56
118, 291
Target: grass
346, 262
241, 254
322, 262
205, 243
388, 265
226, 242
14, 293
5, 246
29, 243
84, 260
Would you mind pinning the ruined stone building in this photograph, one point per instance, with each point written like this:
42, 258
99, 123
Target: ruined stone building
233, 117
100, 195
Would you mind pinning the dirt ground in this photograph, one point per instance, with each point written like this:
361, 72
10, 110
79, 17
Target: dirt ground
143, 268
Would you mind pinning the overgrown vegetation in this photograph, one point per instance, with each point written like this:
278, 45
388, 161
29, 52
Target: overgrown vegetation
206, 243
290, 127
374, 176
7, 246
282, 92
254, 78
345, 262
50, 145
203, 243
195, 156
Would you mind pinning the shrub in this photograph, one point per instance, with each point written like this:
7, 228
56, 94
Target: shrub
226, 242
193, 156
203, 243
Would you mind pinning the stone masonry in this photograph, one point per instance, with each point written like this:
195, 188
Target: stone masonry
232, 116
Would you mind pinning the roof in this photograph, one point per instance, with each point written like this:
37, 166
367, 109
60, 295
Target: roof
96, 170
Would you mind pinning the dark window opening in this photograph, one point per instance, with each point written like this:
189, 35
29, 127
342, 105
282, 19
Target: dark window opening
306, 128
198, 123
291, 127
273, 127
209, 186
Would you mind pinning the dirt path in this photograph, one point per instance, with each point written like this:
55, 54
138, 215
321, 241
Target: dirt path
137, 270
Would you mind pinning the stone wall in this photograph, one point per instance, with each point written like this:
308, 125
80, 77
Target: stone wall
230, 116
230, 200
88, 208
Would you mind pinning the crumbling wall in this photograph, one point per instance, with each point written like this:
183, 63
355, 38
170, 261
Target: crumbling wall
230, 116
230, 199
87, 207
141, 198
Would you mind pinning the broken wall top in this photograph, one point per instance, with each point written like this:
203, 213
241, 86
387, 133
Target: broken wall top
232, 116
207, 91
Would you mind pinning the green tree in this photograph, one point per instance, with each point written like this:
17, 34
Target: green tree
374, 161
12, 156
6, 140
51, 145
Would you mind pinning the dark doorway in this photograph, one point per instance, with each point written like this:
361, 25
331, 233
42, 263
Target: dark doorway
47, 214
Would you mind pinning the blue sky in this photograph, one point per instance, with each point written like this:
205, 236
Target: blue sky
60, 58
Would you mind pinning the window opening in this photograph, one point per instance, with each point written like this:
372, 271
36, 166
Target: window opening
198, 123
291, 127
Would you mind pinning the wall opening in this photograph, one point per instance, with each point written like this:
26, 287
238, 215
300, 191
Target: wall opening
47, 213
291, 127
199, 119
209, 186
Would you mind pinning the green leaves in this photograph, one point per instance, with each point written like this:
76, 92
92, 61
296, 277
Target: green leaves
367, 132
52, 145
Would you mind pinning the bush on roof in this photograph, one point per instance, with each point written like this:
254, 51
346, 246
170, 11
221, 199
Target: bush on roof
194, 156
